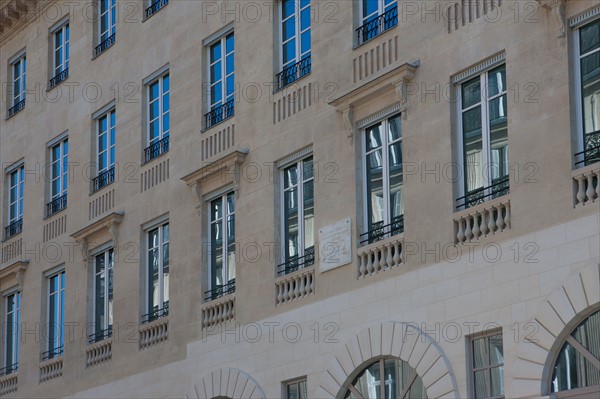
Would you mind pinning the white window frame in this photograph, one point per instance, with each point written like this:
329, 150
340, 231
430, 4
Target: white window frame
19, 79
15, 339
161, 95
110, 143
299, 164
112, 19
223, 59
63, 64
161, 277
485, 127
63, 169
20, 188
107, 273
59, 315
471, 361
297, 35
297, 382
225, 233
381, 6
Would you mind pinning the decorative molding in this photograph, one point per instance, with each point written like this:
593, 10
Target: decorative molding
478, 69
226, 383
379, 116
17, 270
559, 9
584, 17
108, 224
293, 158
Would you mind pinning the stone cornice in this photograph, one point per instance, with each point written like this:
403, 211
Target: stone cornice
558, 7
17, 269
109, 223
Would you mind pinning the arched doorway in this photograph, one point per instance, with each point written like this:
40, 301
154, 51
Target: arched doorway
575, 367
385, 378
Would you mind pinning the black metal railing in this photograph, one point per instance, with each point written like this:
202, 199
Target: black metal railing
100, 335
13, 229
296, 263
12, 368
154, 8
104, 45
293, 73
61, 76
156, 314
156, 149
591, 154
219, 114
52, 353
378, 231
377, 26
103, 179
16, 108
220, 290
56, 205
499, 187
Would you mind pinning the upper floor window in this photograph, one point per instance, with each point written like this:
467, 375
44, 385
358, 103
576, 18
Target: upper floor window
105, 151
222, 80
487, 366
153, 6
298, 210
59, 179
16, 186
222, 246
56, 316
158, 118
158, 273
103, 296
19, 84
11, 333
60, 59
484, 135
295, 41
107, 25
377, 16
588, 38
296, 389
384, 190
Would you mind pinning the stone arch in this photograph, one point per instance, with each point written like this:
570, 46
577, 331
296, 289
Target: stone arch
564, 309
226, 383
405, 341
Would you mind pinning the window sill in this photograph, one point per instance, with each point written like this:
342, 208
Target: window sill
10, 115
356, 46
144, 163
160, 8
50, 88
98, 54
206, 129
51, 215
291, 83
8, 238
93, 192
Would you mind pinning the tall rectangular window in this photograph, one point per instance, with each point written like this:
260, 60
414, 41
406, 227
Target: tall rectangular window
298, 217
16, 181
484, 133
589, 72
103, 296
105, 151
296, 389
159, 122
487, 366
56, 316
222, 246
59, 179
158, 273
19, 85
377, 16
222, 80
295, 41
60, 59
11, 333
384, 190
107, 25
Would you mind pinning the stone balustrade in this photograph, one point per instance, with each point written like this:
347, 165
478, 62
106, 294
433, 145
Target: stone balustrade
586, 182
296, 285
50, 369
8, 384
482, 220
218, 311
97, 353
380, 256
153, 333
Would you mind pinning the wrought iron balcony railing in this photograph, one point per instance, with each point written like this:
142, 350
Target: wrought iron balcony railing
156, 149
378, 231
104, 45
16, 108
377, 26
100, 335
56, 205
13, 229
219, 114
499, 187
296, 263
103, 179
60, 77
156, 313
293, 73
54, 352
11, 368
220, 290
591, 154
154, 8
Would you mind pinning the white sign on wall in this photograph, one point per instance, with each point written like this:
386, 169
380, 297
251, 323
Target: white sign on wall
335, 245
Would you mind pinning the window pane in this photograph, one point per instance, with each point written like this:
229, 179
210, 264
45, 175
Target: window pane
590, 37
471, 93
396, 180
292, 391
368, 382
590, 88
497, 81
497, 381
498, 139
481, 384
473, 148
496, 351
289, 51
480, 353
375, 203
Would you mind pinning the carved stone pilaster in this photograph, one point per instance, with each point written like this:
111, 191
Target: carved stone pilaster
558, 7
348, 117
